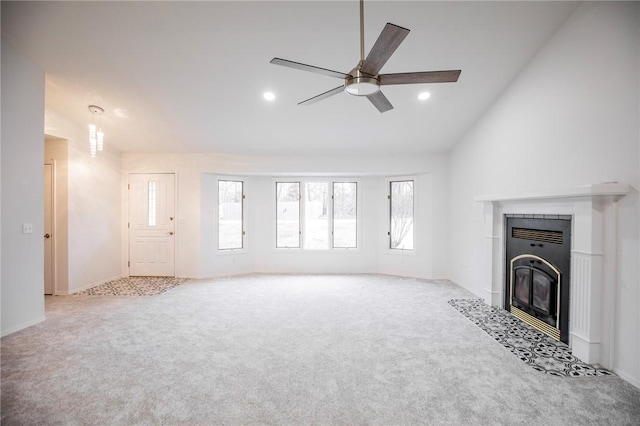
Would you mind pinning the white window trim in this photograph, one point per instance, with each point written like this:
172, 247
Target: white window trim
358, 215
416, 224
330, 181
275, 210
245, 223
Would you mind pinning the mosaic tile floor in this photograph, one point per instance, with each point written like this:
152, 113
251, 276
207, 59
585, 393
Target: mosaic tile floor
533, 347
134, 286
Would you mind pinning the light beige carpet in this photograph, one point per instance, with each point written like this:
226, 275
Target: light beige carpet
286, 349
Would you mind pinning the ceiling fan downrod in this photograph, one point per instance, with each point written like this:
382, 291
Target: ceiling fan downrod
359, 83
361, 32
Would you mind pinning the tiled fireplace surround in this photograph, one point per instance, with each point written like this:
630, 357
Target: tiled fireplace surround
593, 258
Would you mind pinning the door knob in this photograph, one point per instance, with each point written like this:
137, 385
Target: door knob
170, 232
47, 236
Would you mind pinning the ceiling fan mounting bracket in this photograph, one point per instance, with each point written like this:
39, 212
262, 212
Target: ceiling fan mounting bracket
95, 109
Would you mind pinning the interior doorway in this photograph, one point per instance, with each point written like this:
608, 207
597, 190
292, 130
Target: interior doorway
56, 214
49, 229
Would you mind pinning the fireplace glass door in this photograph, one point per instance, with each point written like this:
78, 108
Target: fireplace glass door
521, 286
542, 291
534, 289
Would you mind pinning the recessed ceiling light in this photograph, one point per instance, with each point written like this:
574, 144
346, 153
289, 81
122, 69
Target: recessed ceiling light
424, 96
270, 96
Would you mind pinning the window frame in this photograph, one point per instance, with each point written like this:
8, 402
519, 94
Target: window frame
300, 214
333, 217
303, 181
389, 182
244, 248
303, 214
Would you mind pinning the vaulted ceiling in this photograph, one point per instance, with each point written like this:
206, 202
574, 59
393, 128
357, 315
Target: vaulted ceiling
189, 76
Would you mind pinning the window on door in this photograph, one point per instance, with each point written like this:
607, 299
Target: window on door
230, 215
152, 201
401, 208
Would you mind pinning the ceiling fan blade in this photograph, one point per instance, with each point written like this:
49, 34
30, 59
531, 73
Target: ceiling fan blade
322, 96
380, 101
387, 43
310, 68
420, 77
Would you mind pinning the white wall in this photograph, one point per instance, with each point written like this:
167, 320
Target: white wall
195, 234
429, 259
22, 191
93, 208
571, 118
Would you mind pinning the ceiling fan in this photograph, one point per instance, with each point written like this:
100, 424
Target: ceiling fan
364, 79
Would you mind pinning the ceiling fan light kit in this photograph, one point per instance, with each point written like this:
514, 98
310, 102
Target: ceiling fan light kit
361, 85
364, 79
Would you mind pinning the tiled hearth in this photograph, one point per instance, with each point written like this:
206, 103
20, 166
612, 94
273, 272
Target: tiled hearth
593, 258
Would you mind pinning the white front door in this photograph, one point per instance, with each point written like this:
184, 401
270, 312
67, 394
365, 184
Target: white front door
151, 224
49, 271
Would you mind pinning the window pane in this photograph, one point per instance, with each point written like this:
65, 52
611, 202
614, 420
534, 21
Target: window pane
344, 214
230, 229
287, 214
402, 215
152, 200
316, 216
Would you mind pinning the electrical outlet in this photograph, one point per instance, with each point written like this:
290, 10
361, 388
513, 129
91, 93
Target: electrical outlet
27, 228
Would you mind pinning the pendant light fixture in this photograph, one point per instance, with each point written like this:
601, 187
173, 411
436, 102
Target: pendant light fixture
96, 136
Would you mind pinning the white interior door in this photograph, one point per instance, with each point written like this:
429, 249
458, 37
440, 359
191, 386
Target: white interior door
49, 271
151, 224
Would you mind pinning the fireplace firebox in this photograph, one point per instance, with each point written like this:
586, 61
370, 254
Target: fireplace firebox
538, 255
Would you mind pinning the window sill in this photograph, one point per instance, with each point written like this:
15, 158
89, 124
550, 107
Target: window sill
400, 252
316, 251
230, 252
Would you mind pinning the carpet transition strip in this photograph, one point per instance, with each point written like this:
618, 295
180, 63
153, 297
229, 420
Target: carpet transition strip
533, 347
134, 286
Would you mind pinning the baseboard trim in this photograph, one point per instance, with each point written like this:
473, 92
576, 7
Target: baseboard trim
23, 326
627, 377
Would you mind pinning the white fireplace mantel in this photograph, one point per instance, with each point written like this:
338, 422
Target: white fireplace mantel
593, 209
593, 190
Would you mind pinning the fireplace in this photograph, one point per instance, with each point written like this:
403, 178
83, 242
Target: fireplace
538, 251
593, 213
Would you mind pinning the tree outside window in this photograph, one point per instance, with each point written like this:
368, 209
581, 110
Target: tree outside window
230, 215
345, 209
401, 226
288, 214
316, 214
